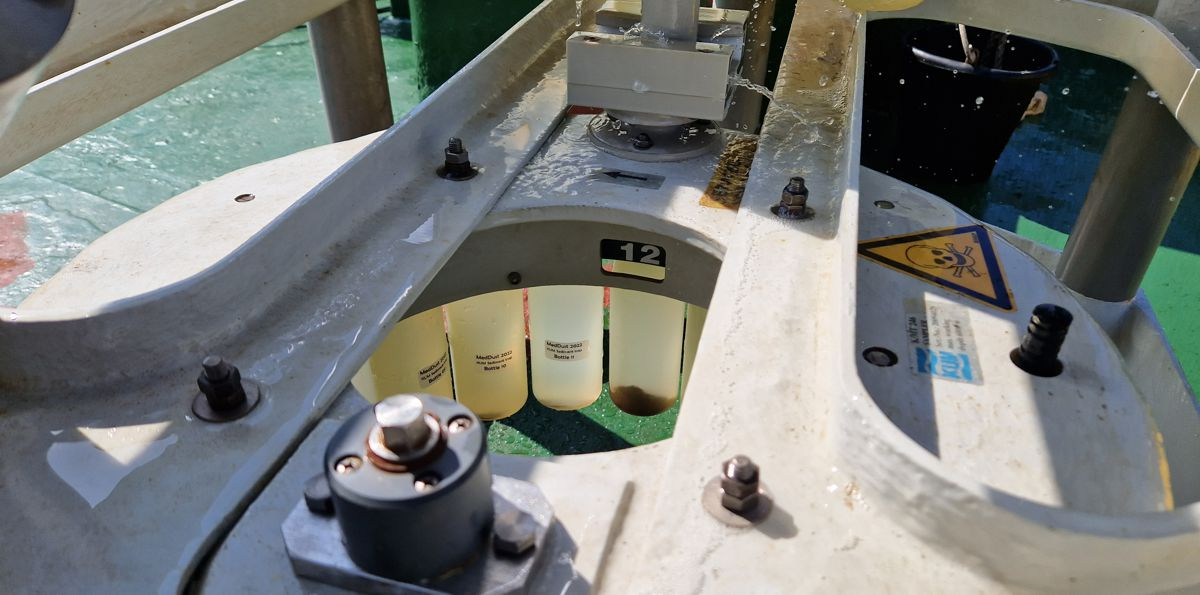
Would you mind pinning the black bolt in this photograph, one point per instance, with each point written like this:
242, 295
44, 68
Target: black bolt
793, 201
796, 187
642, 141
457, 166
317, 496
514, 278
221, 384
1038, 353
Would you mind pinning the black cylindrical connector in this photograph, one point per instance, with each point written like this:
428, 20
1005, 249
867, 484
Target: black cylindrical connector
1038, 353
411, 507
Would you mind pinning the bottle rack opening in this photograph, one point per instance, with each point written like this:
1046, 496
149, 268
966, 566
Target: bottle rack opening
563, 369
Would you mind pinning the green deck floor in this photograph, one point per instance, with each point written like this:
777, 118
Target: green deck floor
266, 104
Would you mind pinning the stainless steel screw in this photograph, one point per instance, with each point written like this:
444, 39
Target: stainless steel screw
348, 464
459, 424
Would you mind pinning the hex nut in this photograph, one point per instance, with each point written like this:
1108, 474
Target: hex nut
737, 489
513, 532
735, 504
457, 158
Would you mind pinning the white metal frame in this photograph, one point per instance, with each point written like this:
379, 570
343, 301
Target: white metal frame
303, 315
82, 98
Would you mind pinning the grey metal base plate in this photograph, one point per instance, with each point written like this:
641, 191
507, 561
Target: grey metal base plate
666, 143
315, 546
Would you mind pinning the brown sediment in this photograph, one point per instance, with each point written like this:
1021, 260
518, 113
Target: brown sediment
635, 401
729, 180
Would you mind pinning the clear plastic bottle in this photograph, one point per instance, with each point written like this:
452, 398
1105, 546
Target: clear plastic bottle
881, 5
487, 344
645, 348
413, 358
691, 340
566, 342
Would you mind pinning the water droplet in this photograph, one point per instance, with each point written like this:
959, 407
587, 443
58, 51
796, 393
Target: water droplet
978, 101
1152, 94
1066, 91
901, 81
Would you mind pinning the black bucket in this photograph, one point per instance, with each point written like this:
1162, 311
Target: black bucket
949, 121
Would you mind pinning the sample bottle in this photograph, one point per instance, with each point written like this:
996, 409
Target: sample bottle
487, 347
645, 338
691, 340
566, 337
880, 5
412, 359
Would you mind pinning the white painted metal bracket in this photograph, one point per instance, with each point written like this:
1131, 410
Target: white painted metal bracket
627, 73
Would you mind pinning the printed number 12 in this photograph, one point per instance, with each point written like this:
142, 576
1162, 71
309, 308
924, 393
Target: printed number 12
650, 254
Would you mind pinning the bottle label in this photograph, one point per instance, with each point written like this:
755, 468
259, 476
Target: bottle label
491, 362
568, 351
432, 373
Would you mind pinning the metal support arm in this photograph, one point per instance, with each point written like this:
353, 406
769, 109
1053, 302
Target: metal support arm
350, 65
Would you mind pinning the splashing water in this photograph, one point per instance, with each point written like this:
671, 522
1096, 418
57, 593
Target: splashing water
765, 92
578, 13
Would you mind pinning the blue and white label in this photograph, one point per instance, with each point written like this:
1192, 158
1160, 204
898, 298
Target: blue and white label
941, 344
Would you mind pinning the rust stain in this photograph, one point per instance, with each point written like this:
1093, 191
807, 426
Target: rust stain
14, 254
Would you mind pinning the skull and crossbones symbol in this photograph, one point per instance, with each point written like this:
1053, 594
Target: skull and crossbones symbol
948, 258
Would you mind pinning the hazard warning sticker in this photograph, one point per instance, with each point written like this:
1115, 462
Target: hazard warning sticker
960, 259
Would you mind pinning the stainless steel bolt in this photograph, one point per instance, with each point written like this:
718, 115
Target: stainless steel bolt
402, 420
513, 532
739, 484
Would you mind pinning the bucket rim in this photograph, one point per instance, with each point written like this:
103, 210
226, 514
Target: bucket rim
944, 63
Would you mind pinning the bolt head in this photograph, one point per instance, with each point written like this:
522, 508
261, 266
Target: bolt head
216, 368
347, 464
402, 419
513, 532
459, 424
740, 468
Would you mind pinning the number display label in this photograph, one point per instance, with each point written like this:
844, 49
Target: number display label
623, 257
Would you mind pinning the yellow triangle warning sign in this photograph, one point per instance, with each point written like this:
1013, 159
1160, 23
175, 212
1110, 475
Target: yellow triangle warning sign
960, 259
